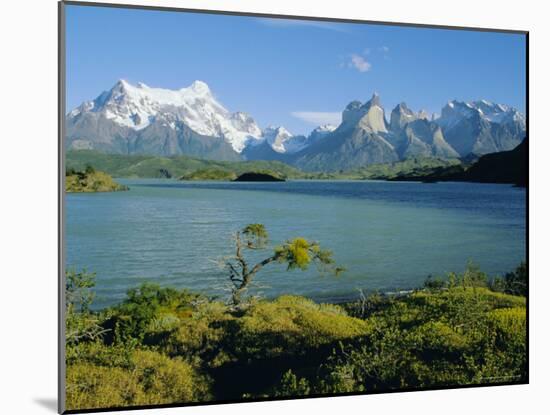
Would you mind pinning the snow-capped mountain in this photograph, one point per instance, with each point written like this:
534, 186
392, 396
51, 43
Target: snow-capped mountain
369, 115
365, 137
481, 127
455, 111
278, 138
323, 129
139, 107
134, 119
413, 135
282, 141
402, 115
361, 139
279, 144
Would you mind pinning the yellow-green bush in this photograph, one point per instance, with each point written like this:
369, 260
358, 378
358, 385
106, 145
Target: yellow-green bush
203, 334
98, 354
510, 339
292, 324
149, 378
510, 322
166, 380
162, 345
91, 387
93, 181
436, 336
455, 335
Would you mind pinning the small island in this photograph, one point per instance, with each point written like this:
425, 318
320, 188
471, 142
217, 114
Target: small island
258, 177
90, 181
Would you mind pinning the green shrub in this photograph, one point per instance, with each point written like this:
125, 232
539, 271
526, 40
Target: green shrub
147, 378
166, 380
98, 354
163, 345
291, 386
203, 334
462, 334
94, 387
292, 325
510, 340
81, 325
149, 309
515, 282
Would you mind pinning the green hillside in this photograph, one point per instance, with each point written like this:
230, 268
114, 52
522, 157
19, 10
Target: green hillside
120, 165
388, 171
188, 168
503, 167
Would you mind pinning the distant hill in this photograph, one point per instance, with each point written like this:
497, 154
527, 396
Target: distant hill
502, 167
188, 168
141, 166
210, 174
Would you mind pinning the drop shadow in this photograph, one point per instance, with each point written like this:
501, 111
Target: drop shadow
48, 403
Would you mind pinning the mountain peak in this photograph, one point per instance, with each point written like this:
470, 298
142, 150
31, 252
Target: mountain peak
200, 87
375, 100
402, 106
483, 109
369, 114
138, 106
121, 85
271, 130
325, 128
467, 124
279, 138
400, 116
353, 105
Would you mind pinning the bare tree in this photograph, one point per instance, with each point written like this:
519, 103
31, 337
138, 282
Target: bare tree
296, 253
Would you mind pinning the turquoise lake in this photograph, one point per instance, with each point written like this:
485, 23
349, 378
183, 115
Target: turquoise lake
388, 235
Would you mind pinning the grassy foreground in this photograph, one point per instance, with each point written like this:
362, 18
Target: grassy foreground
162, 345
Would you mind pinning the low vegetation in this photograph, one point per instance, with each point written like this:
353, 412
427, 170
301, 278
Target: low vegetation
508, 167
503, 167
414, 166
162, 345
89, 180
210, 174
188, 168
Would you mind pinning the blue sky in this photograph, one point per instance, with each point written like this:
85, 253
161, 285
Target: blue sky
286, 72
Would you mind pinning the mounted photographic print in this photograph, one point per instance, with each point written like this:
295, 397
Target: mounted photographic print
258, 207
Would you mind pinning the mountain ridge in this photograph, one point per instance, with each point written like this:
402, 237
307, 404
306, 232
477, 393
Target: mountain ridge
138, 119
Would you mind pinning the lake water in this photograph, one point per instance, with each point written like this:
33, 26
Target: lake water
389, 235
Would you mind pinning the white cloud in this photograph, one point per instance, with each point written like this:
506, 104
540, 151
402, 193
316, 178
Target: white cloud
318, 118
384, 49
359, 63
